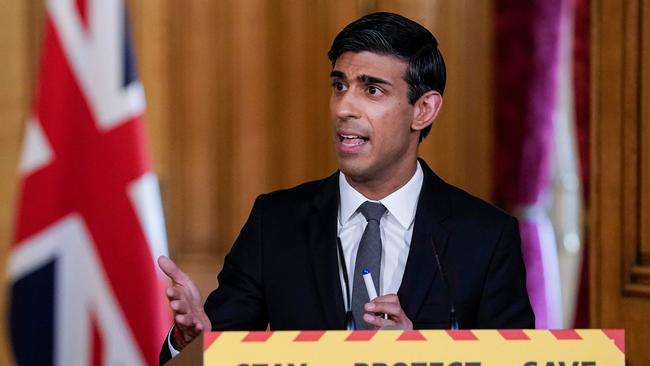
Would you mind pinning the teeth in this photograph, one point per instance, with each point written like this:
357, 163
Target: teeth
355, 142
352, 140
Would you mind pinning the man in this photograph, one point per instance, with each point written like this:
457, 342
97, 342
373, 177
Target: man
437, 256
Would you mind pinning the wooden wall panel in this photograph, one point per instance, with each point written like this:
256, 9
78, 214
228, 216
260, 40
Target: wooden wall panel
14, 96
644, 142
620, 167
237, 104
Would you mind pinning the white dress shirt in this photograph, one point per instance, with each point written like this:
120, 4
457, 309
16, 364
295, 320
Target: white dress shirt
396, 229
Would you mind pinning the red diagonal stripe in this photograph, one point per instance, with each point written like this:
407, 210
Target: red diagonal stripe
97, 345
257, 336
82, 9
361, 335
565, 334
209, 338
462, 335
618, 336
411, 335
513, 335
309, 336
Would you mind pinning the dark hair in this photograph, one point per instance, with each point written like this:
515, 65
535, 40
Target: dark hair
395, 35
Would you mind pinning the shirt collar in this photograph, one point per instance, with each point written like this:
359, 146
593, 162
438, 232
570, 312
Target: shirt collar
401, 204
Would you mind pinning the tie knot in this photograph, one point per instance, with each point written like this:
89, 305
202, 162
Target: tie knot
372, 210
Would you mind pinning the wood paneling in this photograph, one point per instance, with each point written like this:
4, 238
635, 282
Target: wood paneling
14, 96
237, 104
644, 142
620, 279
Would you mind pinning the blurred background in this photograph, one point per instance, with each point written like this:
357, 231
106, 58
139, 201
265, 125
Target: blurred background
543, 116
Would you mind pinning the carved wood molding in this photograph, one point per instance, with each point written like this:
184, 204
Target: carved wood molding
636, 156
620, 136
620, 155
639, 281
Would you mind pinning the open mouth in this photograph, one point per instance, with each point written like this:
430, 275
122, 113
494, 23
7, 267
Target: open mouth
352, 140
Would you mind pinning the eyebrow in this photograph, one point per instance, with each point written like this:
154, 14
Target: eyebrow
368, 79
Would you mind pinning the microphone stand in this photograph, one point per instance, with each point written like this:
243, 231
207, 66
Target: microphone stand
453, 321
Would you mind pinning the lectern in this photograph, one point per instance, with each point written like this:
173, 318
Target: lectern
572, 347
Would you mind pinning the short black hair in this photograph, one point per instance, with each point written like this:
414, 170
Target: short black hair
392, 34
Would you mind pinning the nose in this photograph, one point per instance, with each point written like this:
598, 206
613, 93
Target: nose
344, 106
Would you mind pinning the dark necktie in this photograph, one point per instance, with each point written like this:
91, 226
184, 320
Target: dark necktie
368, 257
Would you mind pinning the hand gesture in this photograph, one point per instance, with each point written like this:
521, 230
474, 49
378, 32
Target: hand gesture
185, 300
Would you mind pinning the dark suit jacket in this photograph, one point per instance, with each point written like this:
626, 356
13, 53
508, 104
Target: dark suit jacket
283, 271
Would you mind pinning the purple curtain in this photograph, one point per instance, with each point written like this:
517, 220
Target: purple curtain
527, 39
581, 92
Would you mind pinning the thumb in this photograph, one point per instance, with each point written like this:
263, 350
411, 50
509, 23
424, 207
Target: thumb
171, 270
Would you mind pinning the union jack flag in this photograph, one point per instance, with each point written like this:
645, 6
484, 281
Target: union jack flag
84, 285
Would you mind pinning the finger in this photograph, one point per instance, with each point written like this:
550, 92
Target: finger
179, 306
171, 294
184, 321
387, 323
171, 270
198, 326
204, 320
190, 332
390, 308
176, 293
377, 321
179, 278
387, 298
186, 293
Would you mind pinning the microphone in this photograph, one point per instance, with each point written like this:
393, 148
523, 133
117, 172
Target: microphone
349, 319
453, 321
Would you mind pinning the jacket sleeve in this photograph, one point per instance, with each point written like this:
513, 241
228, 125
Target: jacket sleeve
238, 302
504, 299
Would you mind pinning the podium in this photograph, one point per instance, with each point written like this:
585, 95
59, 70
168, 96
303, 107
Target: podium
572, 347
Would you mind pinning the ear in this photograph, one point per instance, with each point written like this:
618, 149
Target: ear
426, 110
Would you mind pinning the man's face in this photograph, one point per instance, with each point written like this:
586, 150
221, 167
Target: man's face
372, 117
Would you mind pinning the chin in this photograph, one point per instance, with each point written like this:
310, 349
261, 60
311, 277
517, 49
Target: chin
347, 167
353, 169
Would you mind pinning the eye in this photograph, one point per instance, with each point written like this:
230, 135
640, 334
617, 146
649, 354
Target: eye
375, 91
339, 86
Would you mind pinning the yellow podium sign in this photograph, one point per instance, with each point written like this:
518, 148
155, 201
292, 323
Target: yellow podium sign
590, 347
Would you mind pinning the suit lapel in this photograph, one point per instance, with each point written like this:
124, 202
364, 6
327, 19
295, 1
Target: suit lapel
433, 208
323, 255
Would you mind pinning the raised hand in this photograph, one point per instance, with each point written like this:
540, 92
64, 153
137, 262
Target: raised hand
186, 303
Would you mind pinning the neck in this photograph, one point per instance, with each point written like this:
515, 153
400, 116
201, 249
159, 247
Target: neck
379, 188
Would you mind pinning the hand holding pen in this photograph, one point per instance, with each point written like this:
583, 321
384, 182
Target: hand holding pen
393, 315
